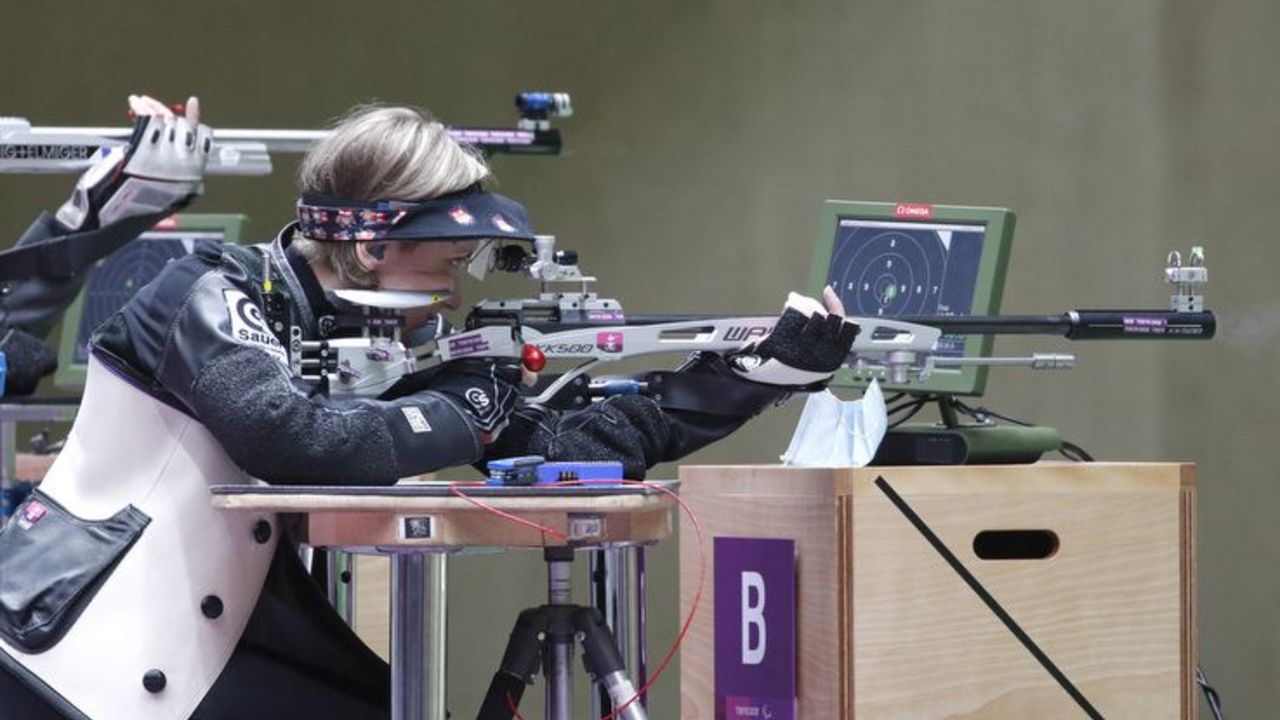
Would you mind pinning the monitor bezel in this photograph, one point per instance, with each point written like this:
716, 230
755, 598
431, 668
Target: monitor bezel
988, 289
234, 229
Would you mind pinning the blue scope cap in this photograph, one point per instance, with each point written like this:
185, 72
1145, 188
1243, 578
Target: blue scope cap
542, 105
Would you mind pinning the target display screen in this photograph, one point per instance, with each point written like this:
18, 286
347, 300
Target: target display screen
916, 261
890, 268
115, 279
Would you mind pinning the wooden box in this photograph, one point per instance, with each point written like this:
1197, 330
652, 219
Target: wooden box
888, 628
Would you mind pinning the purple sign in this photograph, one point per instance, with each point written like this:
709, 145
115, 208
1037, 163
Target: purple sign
610, 342
483, 136
1145, 324
755, 628
467, 345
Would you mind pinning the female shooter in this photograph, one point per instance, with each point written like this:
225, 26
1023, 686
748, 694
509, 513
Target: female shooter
124, 594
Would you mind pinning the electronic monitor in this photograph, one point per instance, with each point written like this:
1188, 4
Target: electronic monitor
909, 259
112, 281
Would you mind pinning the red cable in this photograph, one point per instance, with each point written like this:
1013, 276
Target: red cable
515, 709
697, 596
454, 488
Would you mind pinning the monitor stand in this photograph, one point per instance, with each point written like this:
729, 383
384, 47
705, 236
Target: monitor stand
951, 442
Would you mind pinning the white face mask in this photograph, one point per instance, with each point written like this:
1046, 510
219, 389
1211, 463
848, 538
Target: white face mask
836, 433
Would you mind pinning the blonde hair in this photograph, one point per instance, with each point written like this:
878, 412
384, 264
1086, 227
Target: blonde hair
382, 152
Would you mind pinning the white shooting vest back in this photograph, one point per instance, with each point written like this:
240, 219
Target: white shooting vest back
128, 448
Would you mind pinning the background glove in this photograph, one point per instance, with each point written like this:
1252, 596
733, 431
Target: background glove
805, 348
160, 169
27, 360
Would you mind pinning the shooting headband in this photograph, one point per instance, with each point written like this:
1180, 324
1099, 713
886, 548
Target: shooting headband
470, 213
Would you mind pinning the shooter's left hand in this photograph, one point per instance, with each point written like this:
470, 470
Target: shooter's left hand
809, 343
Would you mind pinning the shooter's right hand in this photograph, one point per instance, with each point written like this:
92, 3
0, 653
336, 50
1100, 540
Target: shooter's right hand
159, 170
487, 390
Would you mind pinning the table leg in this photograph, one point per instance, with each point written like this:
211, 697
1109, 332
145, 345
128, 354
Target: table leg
341, 580
617, 578
640, 599
598, 586
559, 642
418, 613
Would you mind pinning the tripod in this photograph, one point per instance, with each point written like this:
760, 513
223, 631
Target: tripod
544, 636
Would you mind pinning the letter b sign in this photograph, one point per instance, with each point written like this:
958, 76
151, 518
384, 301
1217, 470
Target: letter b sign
753, 627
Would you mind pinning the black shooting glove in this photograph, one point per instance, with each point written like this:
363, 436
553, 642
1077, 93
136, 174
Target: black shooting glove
486, 390
27, 359
629, 429
803, 351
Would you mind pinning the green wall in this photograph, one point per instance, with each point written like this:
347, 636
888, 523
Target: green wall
707, 134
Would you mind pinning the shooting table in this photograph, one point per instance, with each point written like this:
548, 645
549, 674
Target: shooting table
418, 524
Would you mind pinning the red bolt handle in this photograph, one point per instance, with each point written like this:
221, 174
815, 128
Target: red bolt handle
532, 358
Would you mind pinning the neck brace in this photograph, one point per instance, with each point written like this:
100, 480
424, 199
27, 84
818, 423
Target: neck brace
126, 448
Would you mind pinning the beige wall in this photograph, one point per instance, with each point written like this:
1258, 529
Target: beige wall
708, 132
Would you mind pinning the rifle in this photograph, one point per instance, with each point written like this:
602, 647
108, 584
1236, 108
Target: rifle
579, 326
28, 149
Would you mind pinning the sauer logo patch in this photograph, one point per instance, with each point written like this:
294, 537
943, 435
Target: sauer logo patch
248, 327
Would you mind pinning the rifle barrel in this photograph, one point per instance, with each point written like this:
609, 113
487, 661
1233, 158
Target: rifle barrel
1073, 324
1083, 324
299, 141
